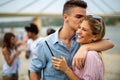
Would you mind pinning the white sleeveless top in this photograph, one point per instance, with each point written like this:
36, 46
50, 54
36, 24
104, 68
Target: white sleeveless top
15, 65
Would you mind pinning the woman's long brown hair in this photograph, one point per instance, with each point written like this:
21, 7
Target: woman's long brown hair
6, 40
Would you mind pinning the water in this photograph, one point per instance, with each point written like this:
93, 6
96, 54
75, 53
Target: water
113, 33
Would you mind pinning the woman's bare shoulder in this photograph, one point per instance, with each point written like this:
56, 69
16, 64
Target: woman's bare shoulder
5, 51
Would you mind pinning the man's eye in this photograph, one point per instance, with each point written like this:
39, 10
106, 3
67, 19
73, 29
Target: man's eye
79, 16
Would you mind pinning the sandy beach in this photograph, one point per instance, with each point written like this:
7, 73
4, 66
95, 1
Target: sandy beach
111, 61
112, 65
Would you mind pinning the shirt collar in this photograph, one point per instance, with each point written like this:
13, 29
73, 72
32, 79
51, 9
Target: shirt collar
75, 36
56, 38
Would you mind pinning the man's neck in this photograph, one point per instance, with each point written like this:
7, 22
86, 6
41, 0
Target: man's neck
66, 35
34, 37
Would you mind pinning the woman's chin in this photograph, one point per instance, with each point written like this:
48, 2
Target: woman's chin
79, 41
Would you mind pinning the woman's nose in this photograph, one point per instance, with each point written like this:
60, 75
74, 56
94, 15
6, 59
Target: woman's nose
79, 31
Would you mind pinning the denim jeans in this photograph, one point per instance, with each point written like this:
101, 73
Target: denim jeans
9, 74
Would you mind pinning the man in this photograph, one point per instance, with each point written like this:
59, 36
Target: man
61, 43
32, 33
50, 31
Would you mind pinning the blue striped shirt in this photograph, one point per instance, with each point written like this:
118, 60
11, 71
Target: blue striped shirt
42, 57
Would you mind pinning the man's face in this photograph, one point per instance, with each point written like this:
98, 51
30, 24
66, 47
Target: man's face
75, 17
29, 34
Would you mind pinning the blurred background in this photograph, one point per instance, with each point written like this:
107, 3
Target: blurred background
16, 14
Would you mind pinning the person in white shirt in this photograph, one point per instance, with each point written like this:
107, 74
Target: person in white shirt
32, 33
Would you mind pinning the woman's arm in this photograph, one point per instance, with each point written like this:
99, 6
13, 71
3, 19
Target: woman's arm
7, 57
27, 54
61, 64
79, 58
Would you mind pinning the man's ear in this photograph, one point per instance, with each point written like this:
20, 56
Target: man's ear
65, 16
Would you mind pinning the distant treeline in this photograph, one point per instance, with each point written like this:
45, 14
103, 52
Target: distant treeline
14, 24
112, 20
52, 22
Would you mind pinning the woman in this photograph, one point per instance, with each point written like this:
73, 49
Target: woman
91, 29
11, 57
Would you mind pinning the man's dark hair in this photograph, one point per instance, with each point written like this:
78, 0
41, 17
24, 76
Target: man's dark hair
50, 31
32, 28
73, 3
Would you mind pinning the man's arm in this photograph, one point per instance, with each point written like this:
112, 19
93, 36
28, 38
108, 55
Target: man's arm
27, 54
79, 58
100, 45
34, 76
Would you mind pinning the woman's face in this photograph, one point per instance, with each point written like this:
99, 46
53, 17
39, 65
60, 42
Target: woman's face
85, 33
13, 40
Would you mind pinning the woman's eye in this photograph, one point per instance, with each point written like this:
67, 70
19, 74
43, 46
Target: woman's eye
84, 29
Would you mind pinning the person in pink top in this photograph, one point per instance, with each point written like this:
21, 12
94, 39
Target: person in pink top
91, 29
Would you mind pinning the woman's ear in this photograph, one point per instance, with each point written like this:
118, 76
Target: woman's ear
95, 37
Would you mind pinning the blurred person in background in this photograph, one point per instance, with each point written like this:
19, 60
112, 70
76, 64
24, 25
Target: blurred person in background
11, 57
36, 21
92, 29
50, 31
32, 33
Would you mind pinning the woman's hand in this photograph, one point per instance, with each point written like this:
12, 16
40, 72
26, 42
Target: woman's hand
60, 63
18, 52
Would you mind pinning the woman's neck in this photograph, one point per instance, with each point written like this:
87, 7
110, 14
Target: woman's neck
12, 46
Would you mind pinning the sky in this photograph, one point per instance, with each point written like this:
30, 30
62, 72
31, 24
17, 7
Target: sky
54, 7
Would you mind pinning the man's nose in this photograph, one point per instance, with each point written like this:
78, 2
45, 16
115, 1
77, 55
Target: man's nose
81, 19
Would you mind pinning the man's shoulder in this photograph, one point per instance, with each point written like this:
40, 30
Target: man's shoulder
38, 43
